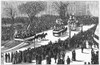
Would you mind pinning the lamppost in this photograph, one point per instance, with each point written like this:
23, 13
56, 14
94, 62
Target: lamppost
15, 32
81, 27
69, 25
34, 43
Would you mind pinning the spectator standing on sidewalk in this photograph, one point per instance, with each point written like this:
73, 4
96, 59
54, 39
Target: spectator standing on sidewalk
6, 57
60, 61
68, 60
82, 48
73, 55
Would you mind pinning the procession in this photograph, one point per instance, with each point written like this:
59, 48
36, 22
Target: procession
52, 50
71, 39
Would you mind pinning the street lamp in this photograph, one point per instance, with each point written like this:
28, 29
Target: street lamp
81, 27
34, 43
69, 25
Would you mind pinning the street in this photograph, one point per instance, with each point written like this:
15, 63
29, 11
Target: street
80, 57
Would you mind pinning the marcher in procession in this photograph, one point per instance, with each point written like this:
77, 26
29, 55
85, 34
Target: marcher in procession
88, 63
63, 55
97, 57
92, 56
68, 60
55, 57
48, 59
6, 56
12, 56
84, 63
82, 48
36, 58
96, 61
60, 61
40, 59
20, 56
73, 55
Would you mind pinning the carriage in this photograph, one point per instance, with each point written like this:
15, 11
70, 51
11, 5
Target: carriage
30, 37
59, 28
59, 31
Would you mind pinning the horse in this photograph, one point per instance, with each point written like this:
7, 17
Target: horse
37, 37
43, 35
64, 30
40, 36
61, 32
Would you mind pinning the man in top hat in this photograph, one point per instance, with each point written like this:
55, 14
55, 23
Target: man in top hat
68, 60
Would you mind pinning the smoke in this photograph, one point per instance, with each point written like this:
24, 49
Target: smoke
94, 8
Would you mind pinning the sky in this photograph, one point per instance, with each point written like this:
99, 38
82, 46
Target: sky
78, 7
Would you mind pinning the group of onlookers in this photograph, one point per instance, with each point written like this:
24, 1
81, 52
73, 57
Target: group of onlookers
94, 57
52, 50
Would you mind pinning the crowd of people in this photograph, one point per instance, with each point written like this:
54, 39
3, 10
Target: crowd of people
52, 50
44, 52
94, 57
24, 35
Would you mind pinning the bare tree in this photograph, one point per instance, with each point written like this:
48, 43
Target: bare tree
61, 8
31, 9
9, 11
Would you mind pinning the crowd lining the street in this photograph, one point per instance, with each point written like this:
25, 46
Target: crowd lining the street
55, 50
